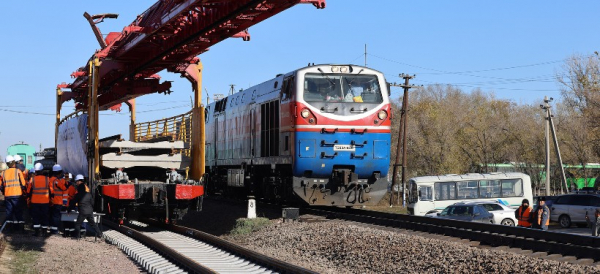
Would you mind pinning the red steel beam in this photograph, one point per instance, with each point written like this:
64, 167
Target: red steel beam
169, 35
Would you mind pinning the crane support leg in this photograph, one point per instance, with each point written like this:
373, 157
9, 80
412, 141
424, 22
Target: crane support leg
93, 157
132, 131
58, 107
198, 138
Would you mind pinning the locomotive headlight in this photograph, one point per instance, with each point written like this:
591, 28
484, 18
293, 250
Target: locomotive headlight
344, 69
382, 114
335, 69
305, 113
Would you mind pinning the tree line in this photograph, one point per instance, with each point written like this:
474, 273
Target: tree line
451, 131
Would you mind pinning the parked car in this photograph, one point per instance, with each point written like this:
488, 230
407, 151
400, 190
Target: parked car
549, 200
468, 212
503, 214
571, 209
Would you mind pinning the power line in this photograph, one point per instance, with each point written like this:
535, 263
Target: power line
465, 73
26, 112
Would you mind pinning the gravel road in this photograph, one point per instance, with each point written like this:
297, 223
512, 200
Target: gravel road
342, 247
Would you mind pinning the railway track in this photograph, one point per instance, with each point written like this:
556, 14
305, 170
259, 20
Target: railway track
163, 248
577, 246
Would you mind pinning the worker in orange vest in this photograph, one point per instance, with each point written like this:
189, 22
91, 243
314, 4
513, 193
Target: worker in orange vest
522, 213
540, 216
12, 186
71, 191
41, 192
29, 179
59, 201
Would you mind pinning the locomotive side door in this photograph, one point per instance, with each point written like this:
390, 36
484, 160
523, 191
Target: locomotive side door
216, 142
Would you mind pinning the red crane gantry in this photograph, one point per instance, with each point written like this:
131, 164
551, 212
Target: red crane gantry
169, 35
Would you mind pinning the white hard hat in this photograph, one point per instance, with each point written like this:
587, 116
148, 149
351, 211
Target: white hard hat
57, 167
18, 158
38, 167
79, 177
32, 170
9, 159
3, 167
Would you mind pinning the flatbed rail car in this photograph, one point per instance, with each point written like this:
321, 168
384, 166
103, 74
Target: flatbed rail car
320, 133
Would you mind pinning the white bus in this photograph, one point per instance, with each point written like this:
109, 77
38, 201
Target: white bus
429, 194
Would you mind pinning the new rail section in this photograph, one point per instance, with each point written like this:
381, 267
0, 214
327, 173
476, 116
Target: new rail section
161, 248
494, 235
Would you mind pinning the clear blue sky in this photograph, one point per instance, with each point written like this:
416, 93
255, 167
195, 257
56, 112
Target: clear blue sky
448, 42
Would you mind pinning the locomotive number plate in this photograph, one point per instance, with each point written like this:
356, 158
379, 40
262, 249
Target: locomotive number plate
344, 148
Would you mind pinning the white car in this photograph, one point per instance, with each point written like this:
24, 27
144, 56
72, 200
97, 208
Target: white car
503, 215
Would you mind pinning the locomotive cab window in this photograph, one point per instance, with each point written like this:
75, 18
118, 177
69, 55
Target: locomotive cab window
341, 88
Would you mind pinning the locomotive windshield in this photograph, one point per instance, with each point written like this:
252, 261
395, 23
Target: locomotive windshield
343, 88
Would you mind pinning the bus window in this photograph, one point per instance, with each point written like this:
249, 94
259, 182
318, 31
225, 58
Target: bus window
489, 189
512, 188
445, 191
425, 193
467, 189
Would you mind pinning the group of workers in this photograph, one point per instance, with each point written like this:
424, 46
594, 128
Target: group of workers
47, 194
538, 218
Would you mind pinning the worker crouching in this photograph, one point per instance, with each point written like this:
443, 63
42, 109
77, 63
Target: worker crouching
41, 192
84, 202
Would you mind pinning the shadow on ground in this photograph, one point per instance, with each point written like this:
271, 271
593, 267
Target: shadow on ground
218, 216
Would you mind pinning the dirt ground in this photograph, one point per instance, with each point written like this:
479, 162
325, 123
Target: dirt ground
56, 254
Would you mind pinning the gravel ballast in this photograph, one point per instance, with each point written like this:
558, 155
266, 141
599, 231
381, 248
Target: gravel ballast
342, 247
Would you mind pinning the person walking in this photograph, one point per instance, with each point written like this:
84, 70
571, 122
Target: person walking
540, 217
522, 214
59, 201
594, 224
12, 186
84, 202
41, 192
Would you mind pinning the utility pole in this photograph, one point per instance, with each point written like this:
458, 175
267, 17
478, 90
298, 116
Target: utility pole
365, 55
402, 133
232, 90
550, 128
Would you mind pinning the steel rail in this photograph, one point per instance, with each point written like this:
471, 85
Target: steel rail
495, 235
256, 257
175, 256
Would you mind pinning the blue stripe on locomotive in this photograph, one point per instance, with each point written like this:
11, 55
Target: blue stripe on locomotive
314, 151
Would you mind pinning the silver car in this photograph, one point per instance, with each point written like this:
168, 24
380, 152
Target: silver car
572, 208
503, 215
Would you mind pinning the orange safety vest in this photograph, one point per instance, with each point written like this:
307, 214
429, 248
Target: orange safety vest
71, 191
523, 216
40, 190
60, 191
13, 182
539, 217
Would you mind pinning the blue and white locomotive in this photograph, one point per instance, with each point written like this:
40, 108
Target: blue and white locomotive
320, 133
